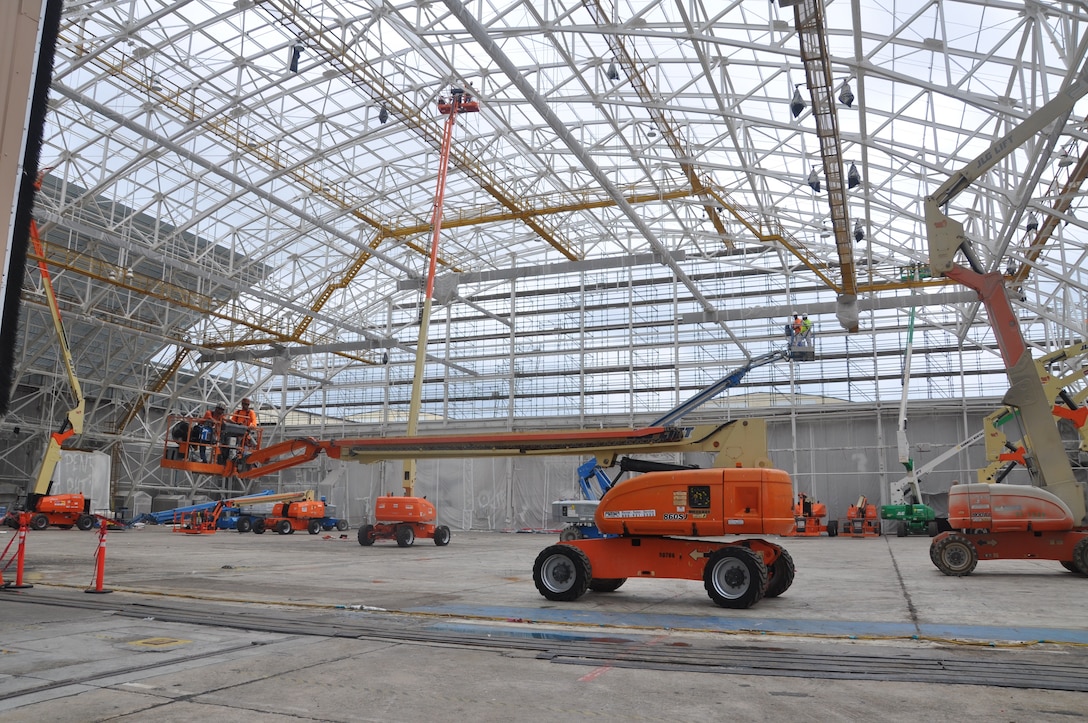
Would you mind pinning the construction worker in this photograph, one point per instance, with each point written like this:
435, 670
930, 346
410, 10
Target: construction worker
245, 416
210, 429
795, 328
806, 331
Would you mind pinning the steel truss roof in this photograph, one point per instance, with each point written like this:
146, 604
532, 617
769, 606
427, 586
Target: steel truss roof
630, 212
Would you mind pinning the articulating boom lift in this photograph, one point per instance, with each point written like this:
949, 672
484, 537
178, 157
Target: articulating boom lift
993, 522
45, 509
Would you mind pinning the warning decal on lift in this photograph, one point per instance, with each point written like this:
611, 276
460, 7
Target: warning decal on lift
623, 514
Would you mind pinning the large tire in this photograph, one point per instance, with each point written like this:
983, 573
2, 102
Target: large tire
366, 535
735, 577
441, 535
342, 525
1070, 566
901, 530
284, 527
313, 527
244, 524
259, 526
84, 522
1080, 556
833, 528
932, 528
571, 533
781, 573
954, 555
406, 536
606, 584
39, 522
562, 573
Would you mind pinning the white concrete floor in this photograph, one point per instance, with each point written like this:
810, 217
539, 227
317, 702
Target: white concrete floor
300, 627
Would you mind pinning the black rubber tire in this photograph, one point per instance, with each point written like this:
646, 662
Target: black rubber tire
39, 522
735, 577
244, 524
901, 530
366, 535
570, 534
441, 535
780, 574
406, 536
954, 555
932, 528
1080, 556
313, 527
342, 525
283, 527
562, 573
1069, 566
833, 528
606, 584
259, 526
84, 523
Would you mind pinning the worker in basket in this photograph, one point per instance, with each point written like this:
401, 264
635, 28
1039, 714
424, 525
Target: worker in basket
209, 430
246, 416
806, 331
793, 329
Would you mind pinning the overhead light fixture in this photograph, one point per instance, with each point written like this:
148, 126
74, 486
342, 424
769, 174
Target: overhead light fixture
846, 96
383, 115
1067, 157
853, 178
1033, 223
859, 231
797, 103
814, 180
612, 73
296, 54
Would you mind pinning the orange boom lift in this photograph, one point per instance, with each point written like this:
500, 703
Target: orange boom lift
1000, 521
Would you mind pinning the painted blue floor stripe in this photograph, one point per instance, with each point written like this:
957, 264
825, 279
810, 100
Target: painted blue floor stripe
724, 623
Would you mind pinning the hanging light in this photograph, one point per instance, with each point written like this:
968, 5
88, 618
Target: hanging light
296, 54
814, 180
797, 103
859, 231
383, 115
846, 96
612, 73
1065, 160
1033, 223
853, 178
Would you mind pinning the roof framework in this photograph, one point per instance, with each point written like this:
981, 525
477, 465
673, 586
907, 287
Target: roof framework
628, 218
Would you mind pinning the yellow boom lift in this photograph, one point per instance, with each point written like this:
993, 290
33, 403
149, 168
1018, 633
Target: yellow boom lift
45, 509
